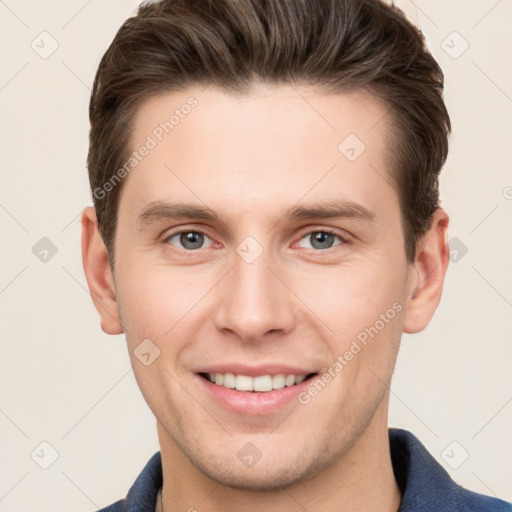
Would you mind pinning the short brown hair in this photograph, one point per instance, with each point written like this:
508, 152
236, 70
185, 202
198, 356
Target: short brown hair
339, 45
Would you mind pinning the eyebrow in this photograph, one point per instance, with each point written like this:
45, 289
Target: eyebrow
330, 209
160, 210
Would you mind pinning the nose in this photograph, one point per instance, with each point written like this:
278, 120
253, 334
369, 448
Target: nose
255, 301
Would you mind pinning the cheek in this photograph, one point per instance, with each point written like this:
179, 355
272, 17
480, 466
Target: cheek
351, 298
155, 300
363, 306
157, 304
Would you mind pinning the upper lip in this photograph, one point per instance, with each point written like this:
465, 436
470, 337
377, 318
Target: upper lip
254, 371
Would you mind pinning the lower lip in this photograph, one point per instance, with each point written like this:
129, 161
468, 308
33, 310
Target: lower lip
253, 403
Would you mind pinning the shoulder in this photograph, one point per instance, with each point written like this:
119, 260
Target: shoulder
426, 485
143, 493
118, 506
474, 502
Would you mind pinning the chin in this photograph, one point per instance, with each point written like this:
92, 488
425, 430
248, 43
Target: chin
275, 473
263, 479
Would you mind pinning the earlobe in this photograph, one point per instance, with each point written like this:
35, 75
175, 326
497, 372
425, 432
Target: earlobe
98, 273
427, 274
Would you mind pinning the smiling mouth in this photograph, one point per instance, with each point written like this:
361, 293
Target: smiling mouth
258, 384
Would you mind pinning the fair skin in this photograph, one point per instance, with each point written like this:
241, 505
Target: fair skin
300, 303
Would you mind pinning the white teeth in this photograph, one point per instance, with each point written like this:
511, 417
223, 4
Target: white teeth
261, 383
229, 381
289, 380
243, 383
278, 381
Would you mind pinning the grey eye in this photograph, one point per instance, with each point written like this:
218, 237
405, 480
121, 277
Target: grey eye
189, 240
321, 239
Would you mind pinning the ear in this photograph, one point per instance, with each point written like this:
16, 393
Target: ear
98, 273
426, 275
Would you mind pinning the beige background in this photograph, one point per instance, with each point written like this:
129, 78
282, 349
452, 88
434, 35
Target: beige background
66, 383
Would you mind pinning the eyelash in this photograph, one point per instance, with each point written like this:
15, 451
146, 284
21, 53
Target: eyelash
342, 239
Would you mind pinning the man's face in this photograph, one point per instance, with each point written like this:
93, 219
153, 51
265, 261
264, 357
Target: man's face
258, 292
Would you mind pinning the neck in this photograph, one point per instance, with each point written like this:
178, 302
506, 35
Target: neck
362, 479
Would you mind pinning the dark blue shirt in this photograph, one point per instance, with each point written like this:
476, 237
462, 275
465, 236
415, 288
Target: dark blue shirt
425, 485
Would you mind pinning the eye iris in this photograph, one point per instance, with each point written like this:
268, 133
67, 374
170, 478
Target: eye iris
325, 239
191, 239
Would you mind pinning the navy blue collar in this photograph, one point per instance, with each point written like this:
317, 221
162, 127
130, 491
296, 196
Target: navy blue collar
425, 485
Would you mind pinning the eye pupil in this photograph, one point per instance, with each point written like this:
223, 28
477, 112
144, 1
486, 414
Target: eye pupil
325, 239
191, 239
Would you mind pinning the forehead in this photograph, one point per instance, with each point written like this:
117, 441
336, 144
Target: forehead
273, 146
